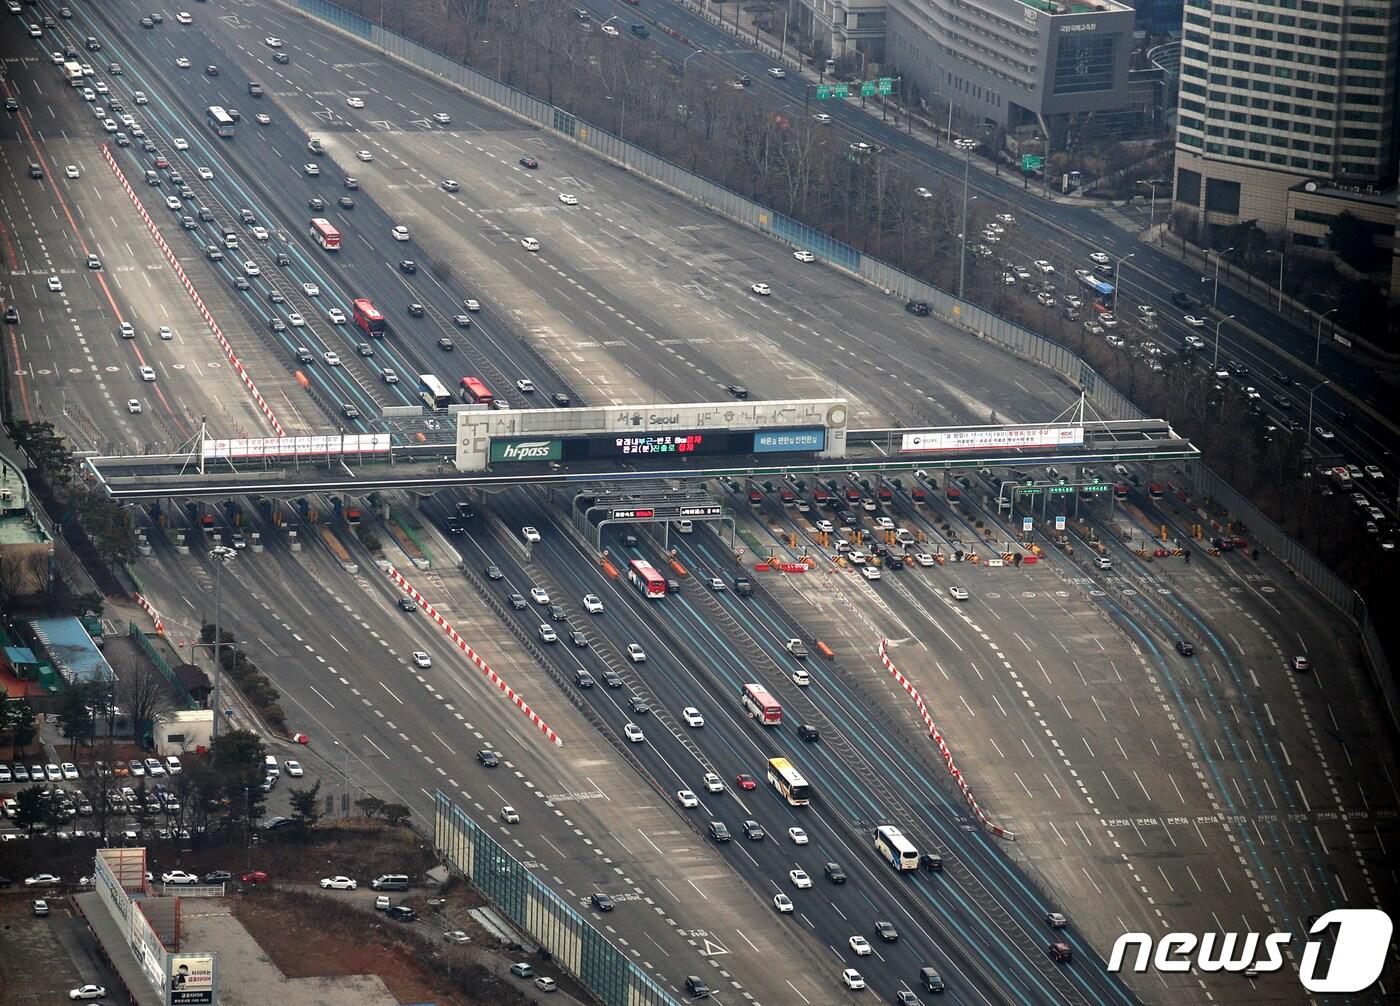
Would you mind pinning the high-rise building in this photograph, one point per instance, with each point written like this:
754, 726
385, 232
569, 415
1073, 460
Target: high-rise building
1285, 96
1019, 64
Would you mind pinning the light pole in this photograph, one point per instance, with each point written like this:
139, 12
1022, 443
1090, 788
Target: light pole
689, 58
1214, 297
222, 555
1151, 206
1310, 407
966, 147
1215, 360
345, 801
1282, 256
1116, 266
1317, 353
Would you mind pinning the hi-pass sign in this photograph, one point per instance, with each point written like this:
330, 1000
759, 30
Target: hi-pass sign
992, 438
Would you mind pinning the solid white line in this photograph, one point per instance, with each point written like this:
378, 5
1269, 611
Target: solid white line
379, 749
391, 694
322, 697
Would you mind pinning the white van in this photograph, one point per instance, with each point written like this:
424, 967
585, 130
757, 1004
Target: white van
270, 766
1103, 562
801, 678
685, 525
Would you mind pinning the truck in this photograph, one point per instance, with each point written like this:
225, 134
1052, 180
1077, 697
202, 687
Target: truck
73, 73
796, 647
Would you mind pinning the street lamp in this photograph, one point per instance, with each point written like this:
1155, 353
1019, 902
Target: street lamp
222, 556
1317, 353
1310, 407
1151, 206
1116, 266
1282, 255
966, 146
1216, 358
689, 58
1214, 297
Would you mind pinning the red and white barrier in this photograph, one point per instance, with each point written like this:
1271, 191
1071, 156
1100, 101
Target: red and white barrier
155, 615
473, 656
944, 749
194, 295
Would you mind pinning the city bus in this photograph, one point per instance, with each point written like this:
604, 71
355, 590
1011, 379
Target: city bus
649, 583
368, 317
219, 120
897, 850
323, 232
761, 705
1100, 294
473, 390
789, 782
433, 392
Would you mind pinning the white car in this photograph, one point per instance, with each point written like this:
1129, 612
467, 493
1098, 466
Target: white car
178, 877
184, 17
636, 654
173, 204
687, 799
525, 386
338, 883
331, 357
860, 946
181, 143
312, 170
297, 321
958, 593
568, 199
399, 233
870, 572
272, 42
1006, 218
609, 30
472, 305
821, 118
148, 374
692, 717
798, 836
311, 289
364, 155
803, 255
1374, 472
55, 284
539, 595
1099, 258
133, 405
923, 558
509, 815
1044, 266
777, 72
42, 880
782, 903
762, 289
799, 879
713, 783
139, 97
1195, 342
451, 185
205, 174
422, 659
923, 193
851, 979
260, 233
355, 102
263, 119
1194, 321
530, 244
633, 733
442, 118
251, 268
336, 316
71, 171
182, 62
592, 604
548, 635
69, 770
87, 992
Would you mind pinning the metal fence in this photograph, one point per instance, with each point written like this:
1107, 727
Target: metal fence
1008, 335
135, 632
549, 920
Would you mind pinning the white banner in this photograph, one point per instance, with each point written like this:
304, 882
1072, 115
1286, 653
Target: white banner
984, 439
283, 447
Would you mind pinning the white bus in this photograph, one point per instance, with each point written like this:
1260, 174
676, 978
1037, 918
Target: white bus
433, 392
220, 121
897, 850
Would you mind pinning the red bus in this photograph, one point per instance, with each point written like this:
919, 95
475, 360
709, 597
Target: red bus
323, 232
474, 391
368, 317
762, 706
650, 583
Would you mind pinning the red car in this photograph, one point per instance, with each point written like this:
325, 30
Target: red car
745, 781
254, 877
161, 162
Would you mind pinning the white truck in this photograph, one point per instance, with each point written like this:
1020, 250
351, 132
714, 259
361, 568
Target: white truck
796, 647
73, 73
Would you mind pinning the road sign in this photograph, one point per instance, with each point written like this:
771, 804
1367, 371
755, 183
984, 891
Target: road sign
1031, 162
1027, 523
1059, 522
886, 85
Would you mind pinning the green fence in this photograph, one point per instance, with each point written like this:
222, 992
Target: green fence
134, 631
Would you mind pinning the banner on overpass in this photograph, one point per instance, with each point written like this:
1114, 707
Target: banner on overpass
286, 447
777, 441
992, 438
528, 449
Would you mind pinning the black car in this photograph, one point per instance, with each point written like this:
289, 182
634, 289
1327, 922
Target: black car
217, 877
407, 604
488, 757
738, 390
446, 344
808, 733
601, 901
886, 931
407, 265
638, 705
578, 639
351, 182
349, 411
1182, 299
556, 614
918, 307
560, 399
276, 296
465, 511
11, 105
612, 679
345, 203
518, 602
834, 873
316, 203
255, 89
753, 831
12, 315
494, 573
529, 162
401, 913
462, 320
455, 526
1185, 648
212, 70
415, 310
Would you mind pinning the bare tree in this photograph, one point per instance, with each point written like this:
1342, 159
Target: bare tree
144, 694
14, 579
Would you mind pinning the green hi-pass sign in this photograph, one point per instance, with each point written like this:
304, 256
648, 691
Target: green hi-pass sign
533, 449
